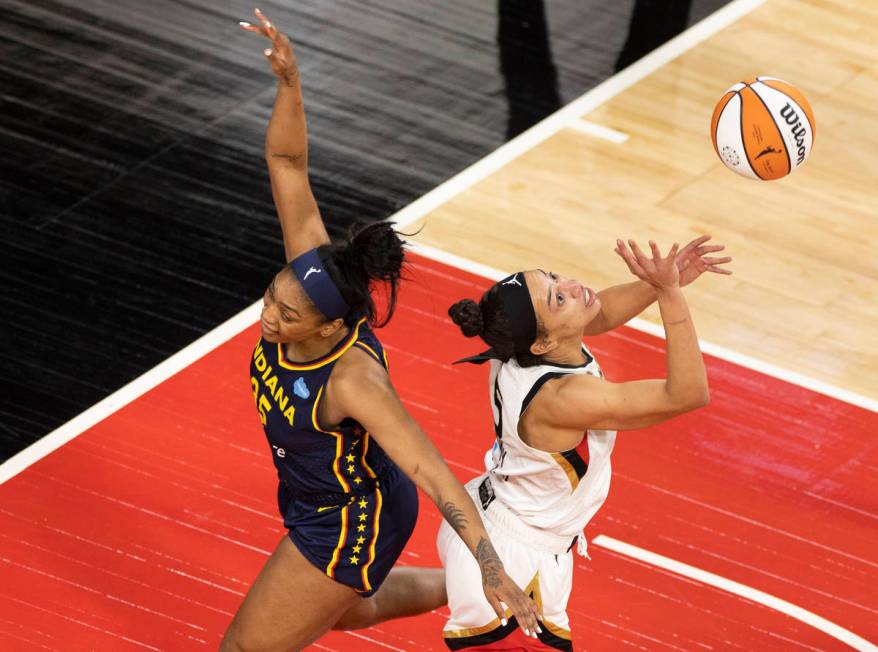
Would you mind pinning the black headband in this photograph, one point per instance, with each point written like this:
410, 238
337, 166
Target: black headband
519, 309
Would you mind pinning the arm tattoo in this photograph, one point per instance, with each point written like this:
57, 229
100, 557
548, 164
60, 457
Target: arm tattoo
454, 515
489, 562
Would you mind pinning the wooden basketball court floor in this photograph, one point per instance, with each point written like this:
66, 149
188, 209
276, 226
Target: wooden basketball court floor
748, 525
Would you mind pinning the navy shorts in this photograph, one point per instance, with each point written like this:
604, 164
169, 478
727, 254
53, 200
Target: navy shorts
355, 543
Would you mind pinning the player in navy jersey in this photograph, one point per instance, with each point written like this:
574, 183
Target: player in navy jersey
555, 420
347, 454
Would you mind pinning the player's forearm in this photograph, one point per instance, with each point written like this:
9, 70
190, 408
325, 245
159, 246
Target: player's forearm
434, 477
462, 515
619, 304
286, 140
687, 379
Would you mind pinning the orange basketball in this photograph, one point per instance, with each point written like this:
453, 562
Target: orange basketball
762, 128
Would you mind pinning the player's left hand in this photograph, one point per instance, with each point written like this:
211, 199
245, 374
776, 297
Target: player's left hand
693, 260
280, 55
499, 589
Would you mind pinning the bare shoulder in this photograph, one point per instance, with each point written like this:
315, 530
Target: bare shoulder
358, 372
561, 387
579, 393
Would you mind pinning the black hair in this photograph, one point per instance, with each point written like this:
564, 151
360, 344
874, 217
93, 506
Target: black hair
372, 253
488, 320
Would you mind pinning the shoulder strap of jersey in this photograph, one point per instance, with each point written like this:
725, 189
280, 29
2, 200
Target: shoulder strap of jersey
376, 352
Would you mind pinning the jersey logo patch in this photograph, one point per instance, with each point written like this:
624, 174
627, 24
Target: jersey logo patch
300, 389
486, 493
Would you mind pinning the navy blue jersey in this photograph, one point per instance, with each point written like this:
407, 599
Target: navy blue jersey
309, 459
348, 508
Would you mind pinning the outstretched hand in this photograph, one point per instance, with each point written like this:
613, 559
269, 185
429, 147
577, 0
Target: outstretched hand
693, 261
280, 55
657, 271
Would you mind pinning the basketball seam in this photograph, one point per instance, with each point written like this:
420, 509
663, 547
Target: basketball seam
786, 148
805, 111
715, 128
743, 142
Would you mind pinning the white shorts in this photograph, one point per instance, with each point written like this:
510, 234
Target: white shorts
540, 563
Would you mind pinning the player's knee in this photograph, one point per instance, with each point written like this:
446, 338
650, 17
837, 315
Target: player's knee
364, 614
236, 640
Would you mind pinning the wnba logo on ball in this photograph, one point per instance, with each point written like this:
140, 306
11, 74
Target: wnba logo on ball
797, 129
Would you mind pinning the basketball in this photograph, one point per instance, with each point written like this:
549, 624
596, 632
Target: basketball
763, 128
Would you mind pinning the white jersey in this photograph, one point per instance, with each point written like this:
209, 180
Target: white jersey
558, 492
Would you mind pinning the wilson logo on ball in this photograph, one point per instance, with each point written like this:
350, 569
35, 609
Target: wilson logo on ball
769, 122
798, 130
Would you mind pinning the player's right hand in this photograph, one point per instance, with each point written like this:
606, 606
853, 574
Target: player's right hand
280, 55
499, 589
659, 272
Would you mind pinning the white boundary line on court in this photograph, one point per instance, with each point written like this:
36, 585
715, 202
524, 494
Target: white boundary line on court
133, 390
809, 618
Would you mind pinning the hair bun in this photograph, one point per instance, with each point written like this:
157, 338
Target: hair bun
468, 315
377, 250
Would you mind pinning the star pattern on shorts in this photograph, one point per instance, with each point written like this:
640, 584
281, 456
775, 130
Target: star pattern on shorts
349, 457
355, 560
351, 469
363, 516
363, 503
361, 527
361, 540
356, 549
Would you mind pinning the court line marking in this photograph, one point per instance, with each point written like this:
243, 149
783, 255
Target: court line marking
573, 112
128, 393
598, 131
755, 595
644, 326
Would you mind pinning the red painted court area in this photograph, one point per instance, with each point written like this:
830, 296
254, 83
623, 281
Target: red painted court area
145, 531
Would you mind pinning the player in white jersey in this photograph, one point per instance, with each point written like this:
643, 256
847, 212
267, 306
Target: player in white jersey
555, 421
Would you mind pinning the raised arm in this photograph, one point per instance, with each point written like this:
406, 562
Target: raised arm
620, 303
286, 147
363, 391
591, 402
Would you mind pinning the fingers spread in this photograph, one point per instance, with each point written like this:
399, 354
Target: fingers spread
709, 249
267, 27
696, 243
638, 254
628, 257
